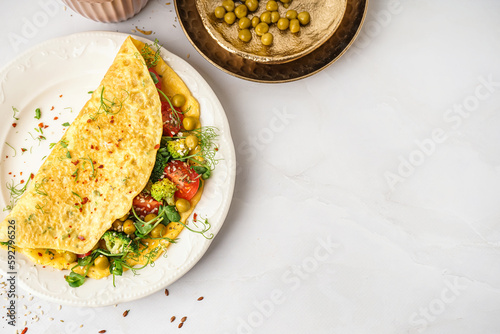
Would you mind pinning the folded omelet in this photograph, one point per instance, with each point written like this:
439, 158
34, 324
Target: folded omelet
102, 162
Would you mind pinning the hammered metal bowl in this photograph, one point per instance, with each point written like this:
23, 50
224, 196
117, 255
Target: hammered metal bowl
247, 69
326, 16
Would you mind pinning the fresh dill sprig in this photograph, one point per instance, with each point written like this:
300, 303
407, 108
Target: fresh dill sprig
15, 112
151, 57
15, 151
91, 164
15, 191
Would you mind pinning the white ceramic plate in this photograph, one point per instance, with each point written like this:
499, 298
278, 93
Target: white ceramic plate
56, 76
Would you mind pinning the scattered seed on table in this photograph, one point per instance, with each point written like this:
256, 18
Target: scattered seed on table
103, 331
183, 319
201, 298
125, 313
180, 325
172, 319
166, 292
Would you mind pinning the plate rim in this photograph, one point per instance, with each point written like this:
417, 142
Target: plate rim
230, 158
353, 39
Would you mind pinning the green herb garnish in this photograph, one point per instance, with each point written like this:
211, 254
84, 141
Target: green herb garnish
38, 113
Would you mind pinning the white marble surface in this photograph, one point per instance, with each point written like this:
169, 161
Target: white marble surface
367, 195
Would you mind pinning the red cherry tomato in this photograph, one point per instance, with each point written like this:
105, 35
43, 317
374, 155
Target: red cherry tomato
184, 177
145, 204
158, 84
172, 122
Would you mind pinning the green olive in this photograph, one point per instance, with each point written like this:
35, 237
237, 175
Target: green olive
265, 17
261, 28
70, 257
275, 16
241, 11
229, 18
149, 217
244, 23
182, 205
272, 5
178, 100
117, 224
228, 5
192, 140
252, 5
255, 21
128, 226
304, 18
189, 123
267, 39
283, 23
291, 14
220, 12
294, 26
245, 35
157, 232
101, 262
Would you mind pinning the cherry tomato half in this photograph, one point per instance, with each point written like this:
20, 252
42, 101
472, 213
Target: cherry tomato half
172, 122
145, 204
184, 177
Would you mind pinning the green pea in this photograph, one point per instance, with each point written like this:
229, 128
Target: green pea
275, 16
267, 39
294, 26
230, 18
220, 12
241, 11
244, 23
283, 23
245, 35
228, 5
182, 205
252, 5
262, 28
255, 21
304, 18
272, 5
291, 14
178, 100
265, 17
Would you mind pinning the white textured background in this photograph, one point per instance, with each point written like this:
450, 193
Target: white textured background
367, 195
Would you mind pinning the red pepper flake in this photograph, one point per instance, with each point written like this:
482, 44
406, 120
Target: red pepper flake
89, 120
60, 95
14, 125
69, 235
157, 146
110, 152
39, 254
195, 216
22, 181
45, 126
21, 173
81, 238
91, 147
10, 173
32, 176
75, 162
56, 118
100, 166
112, 121
40, 125
52, 108
85, 200
216, 149
24, 330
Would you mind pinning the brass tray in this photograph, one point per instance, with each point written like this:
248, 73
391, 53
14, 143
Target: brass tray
243, 68
326, 16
